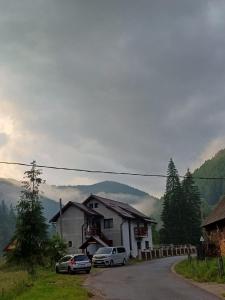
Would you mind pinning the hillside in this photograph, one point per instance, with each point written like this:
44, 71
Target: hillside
10, 192
212, 190
109, 187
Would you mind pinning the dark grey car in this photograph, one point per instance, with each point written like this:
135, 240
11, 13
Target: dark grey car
73, 263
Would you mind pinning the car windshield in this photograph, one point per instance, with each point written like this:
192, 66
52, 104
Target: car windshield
104, 251
81, 257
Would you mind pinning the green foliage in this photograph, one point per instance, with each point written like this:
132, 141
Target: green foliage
31, 229
212, 190
202, 271
7, 224
181, 213
155, 235
192, 208
56, 248
19, 285
172, 213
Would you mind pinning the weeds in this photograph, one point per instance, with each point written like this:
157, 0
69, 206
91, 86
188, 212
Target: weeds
201, 271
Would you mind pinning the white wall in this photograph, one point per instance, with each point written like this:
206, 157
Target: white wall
114, 233
134, 251
125, 235
72, 221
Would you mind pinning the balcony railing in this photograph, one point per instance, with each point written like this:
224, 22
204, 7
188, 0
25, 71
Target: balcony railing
140, 232
92, 231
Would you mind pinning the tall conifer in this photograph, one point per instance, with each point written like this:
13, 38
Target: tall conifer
172, 207
192, 207
31, 229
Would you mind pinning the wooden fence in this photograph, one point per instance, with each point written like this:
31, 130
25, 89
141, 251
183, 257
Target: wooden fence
165, 251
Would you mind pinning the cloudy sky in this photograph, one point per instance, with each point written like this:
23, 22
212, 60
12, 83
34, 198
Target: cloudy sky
113, 85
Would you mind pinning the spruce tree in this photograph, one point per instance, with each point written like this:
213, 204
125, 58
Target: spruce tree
31, 228
192, 207
172, 214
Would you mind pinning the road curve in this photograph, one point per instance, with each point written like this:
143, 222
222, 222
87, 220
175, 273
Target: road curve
151, 280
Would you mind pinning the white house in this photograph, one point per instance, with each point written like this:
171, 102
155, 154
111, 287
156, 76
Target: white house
103, 222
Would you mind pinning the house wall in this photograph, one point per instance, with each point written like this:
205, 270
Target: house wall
134, 241
114, 233
72, 221
125, 235
148, 238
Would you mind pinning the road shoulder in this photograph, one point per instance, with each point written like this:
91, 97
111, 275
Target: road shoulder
210, 287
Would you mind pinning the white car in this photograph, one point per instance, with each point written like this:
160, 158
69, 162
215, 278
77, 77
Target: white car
73, 263
109, 256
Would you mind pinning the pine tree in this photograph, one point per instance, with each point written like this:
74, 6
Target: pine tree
172, 214
31, 229
192, 207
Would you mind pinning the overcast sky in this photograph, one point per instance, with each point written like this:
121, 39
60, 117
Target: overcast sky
113, 85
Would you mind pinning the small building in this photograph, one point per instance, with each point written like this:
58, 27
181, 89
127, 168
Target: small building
214, 226
10, 246
101, 222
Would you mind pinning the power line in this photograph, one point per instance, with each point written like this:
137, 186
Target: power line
105, 172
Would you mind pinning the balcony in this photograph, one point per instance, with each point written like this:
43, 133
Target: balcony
91, 231
140, 232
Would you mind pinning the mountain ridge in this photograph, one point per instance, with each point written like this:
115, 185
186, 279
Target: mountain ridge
212, 189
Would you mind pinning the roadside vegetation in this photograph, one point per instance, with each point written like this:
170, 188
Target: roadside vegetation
27, 272
201, 271
17, 284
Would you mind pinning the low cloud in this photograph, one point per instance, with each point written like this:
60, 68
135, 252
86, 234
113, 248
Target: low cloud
111, 85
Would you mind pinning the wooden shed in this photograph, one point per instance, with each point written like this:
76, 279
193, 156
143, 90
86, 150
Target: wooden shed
214, 226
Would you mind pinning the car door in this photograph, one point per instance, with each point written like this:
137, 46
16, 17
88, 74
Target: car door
115, 256
63, 264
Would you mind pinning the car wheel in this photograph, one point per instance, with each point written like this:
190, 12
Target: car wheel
111, 263
88, 271
57, 270
124, 262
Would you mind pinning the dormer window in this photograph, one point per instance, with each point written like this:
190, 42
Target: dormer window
91, 205
96, 205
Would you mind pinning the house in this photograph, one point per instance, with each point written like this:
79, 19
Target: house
214, 226
10, 246
103, 222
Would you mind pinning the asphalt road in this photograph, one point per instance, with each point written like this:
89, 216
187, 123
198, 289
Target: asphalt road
151, 280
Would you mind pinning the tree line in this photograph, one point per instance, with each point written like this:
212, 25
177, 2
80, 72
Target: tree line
181, 214
7, 224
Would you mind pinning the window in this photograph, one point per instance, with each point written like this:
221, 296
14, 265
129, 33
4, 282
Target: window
146, 244
108, 223
65, 258
139, 245
70, 244
96, 205
121, 250
114, 251
91, 205
81, 258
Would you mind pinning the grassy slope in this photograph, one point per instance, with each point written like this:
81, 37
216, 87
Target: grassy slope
53, 286
17, 285
201, 271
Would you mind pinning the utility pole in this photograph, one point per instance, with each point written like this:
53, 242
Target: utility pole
60, 218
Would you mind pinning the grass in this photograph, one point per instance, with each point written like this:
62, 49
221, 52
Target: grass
18, 285
201, 271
